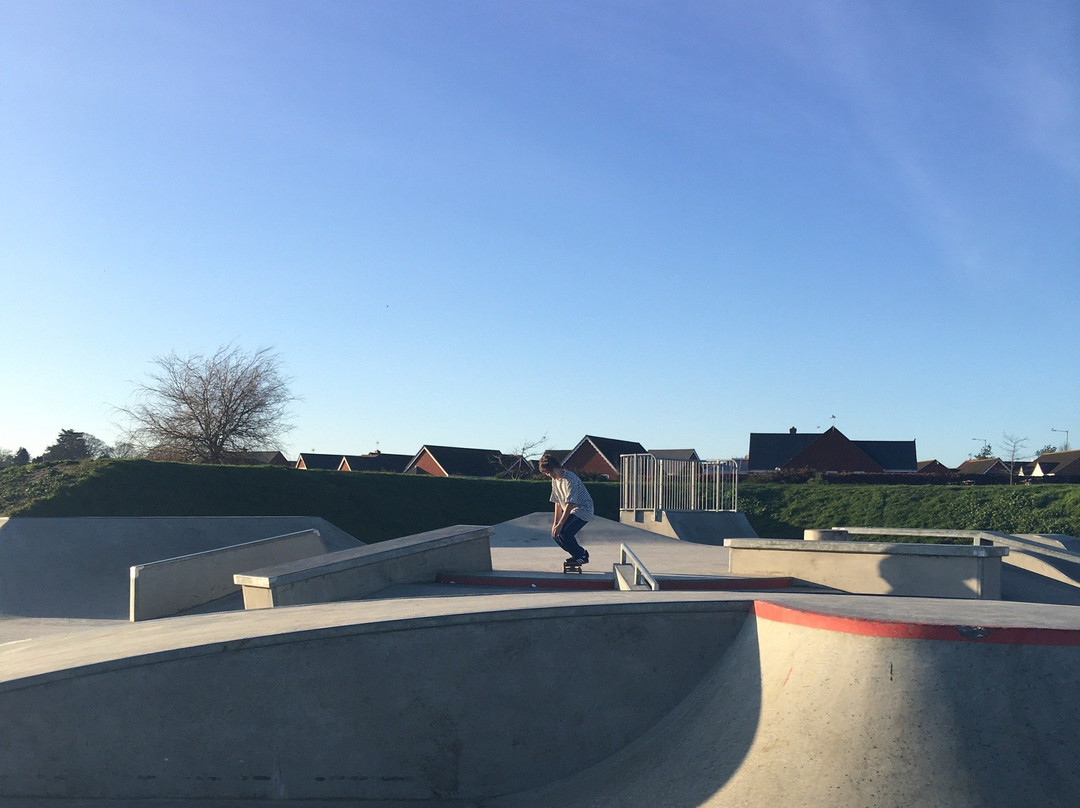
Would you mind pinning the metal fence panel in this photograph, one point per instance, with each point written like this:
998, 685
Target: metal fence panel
651, 483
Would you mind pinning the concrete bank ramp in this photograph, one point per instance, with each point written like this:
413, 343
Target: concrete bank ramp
525, 544
78, 567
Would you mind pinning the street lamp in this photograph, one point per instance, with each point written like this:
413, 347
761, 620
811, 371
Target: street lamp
983, 442
1065, 447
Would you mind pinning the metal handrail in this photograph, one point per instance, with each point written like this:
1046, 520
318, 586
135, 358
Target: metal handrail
641, 574
977, 536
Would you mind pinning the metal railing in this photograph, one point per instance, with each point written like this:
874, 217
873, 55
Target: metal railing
978, 537
649, 483
642, 577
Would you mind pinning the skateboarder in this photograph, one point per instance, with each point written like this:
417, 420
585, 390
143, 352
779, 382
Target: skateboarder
573, 509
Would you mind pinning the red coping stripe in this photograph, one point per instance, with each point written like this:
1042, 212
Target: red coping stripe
567, 581
594, 583
899, 630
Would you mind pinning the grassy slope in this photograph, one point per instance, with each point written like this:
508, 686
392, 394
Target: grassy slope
785, 510
373, 507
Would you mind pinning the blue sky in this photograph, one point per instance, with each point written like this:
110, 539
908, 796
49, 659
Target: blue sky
482, 223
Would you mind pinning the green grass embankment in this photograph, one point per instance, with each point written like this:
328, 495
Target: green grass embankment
374, 507
784, 511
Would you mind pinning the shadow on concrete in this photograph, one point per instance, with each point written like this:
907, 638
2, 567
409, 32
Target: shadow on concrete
684, 759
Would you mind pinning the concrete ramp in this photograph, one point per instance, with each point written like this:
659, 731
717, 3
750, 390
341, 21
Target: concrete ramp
438, 701
819, 710
79, 567
678, 700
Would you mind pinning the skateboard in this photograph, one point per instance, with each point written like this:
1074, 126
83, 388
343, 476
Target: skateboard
568, 567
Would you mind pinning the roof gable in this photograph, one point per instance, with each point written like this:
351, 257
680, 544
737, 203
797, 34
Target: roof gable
456, 461
933, 467
833, 451
983, 465
311, 460
608, 450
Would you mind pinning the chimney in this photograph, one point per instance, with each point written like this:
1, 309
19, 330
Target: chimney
792, 431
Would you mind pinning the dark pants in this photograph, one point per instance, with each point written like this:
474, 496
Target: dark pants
567, 538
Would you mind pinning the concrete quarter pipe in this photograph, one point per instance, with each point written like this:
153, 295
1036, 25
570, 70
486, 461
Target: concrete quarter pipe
819, 710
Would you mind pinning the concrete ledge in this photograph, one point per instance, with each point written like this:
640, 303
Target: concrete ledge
358, 573
871, 547
875, 568
173, 585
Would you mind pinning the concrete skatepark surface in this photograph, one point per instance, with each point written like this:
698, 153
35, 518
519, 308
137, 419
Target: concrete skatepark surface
78, 567
549, 699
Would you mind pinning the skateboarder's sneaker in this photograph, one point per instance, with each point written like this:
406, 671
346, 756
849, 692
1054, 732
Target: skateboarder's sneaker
577, 562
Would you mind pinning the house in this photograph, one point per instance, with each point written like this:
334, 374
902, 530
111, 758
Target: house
599, 457
978, 466
1055, 464
455, 461
374, 461
830, 452
321, 462
932, 467
257, 459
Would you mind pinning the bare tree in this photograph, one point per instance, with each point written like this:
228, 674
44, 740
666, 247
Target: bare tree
519, 464
1012, 446
200, 408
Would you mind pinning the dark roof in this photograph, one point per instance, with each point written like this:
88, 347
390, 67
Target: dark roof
1064, 463
933, 467
773, 450
891, 455
319, 461
274, 458
983, 465
377, 461
1068, 468
457, 461
674, 454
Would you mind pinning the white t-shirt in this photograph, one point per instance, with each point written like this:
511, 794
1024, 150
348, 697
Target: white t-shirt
569, 489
